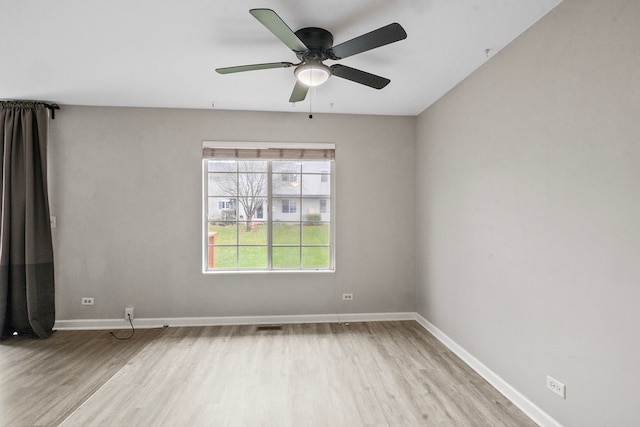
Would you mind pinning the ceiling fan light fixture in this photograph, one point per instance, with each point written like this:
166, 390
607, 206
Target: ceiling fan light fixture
312, 73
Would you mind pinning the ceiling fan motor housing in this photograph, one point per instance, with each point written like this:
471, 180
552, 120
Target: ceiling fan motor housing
318, 40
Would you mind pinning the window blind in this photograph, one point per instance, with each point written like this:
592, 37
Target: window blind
214, 150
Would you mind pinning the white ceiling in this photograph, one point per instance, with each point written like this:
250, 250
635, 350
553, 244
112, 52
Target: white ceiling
162, 53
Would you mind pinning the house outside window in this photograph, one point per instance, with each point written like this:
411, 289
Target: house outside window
268, 209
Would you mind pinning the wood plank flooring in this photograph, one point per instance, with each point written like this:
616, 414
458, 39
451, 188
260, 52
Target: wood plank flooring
43, 381
363, 374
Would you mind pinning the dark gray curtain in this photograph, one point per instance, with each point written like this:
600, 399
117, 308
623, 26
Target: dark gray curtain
26, 252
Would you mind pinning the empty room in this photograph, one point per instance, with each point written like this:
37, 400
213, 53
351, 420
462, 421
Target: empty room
408, 213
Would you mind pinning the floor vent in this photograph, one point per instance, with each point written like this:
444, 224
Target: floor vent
269, 328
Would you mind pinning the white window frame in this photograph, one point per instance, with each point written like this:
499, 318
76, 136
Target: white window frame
269, 207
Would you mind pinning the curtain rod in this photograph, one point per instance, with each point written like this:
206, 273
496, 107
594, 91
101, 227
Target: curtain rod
52, 108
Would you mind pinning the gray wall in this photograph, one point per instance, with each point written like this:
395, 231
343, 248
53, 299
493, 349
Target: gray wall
126, 188
528, 193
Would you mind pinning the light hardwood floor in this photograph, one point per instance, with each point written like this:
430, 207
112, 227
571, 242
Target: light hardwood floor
364, 374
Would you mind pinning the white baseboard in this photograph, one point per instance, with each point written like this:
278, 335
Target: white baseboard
142, 323
525, 405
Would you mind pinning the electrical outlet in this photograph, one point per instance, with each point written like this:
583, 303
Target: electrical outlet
556, 386
87, 301
347, 297
128, 313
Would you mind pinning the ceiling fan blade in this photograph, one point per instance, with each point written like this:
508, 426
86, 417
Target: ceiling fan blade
299, 92
277, 26
376, 38
252, 67
359, 76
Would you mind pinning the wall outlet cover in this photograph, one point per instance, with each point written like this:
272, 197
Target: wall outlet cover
556, 386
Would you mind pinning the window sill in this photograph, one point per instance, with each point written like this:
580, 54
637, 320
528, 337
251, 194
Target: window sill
219, 272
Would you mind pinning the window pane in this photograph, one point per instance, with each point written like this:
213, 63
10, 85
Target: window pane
252, 233
252, 208
252, 184
287, 233
317, 234
312, 185
224, 256
286, 257
252, 166
226, 233
252, 256
316, 166
222, 166
286, 166
285, 184
286, 209
221, 209
223, 184
315, 210
313, 257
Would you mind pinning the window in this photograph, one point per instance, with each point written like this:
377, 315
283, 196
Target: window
289, 206
323, 206
268, 208
289, 177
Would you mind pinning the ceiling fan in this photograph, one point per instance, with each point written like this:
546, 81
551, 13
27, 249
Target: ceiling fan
314, 45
